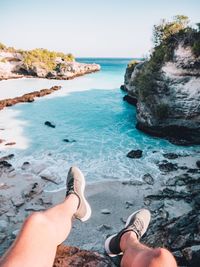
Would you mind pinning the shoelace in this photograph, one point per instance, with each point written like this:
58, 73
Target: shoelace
70, 186
137, 227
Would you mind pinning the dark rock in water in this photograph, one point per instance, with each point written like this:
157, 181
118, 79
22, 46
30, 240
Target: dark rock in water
48, 123
148, 179
10, 144
123, 88
5, 164
74, 257
131, 100
168, 167
135, 154
193, 170
132, 182
170, 156
25, 165
198, 163
66, 140
10, 156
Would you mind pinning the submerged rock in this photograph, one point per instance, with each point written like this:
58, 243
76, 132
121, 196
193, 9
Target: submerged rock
135, 154
50, 124
148, 179
168, 167
170, 155
7, 157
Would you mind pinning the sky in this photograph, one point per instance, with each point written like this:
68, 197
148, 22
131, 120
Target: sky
89, 28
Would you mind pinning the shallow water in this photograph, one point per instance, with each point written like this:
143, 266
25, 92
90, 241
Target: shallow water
90, 112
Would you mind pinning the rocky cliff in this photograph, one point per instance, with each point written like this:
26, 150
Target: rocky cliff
41, 63
167, 90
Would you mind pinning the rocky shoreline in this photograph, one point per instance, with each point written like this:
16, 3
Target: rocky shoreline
173, 201
30, 97
13, 65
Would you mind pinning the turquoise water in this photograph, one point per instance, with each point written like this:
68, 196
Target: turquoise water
89, 110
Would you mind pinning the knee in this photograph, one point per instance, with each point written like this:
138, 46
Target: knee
37, 218
163, 257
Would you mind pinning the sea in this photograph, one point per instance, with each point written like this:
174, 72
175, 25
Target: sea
90, 113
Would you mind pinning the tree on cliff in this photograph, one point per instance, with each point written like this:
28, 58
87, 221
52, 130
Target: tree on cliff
165, 29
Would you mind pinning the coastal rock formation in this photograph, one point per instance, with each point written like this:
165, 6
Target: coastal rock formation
72, 256
166, 89
41, 63
30, 97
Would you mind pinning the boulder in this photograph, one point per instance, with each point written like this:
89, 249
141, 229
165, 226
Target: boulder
198, 163
135, 154
168, 167
170, 155
148, 179
72, 256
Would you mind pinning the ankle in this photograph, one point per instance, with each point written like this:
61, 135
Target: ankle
127, 239
74, 199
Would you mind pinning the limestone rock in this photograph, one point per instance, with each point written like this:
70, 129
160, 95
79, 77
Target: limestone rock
172, 110
72, 256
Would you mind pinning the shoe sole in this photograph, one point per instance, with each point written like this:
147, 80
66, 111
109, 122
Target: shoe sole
107, 242
83, 199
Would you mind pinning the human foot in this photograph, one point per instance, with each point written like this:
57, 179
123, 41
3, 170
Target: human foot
76, 185
137, 222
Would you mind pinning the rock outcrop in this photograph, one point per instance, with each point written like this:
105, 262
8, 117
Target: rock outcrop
167, 94
72, 256
30, 97
17, 64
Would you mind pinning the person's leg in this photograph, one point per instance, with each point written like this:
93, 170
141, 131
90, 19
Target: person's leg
136, 254
42, 232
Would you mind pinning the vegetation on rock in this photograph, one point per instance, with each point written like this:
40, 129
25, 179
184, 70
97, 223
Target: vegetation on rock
44, 58
40, 57
167, 36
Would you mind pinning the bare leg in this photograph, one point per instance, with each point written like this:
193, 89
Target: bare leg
41, 233
136, 254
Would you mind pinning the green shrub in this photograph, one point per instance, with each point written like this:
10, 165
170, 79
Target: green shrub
2, 46
3, 60
196, 48
44, 58
132, 63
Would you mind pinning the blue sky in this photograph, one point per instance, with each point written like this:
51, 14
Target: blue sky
88, 28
